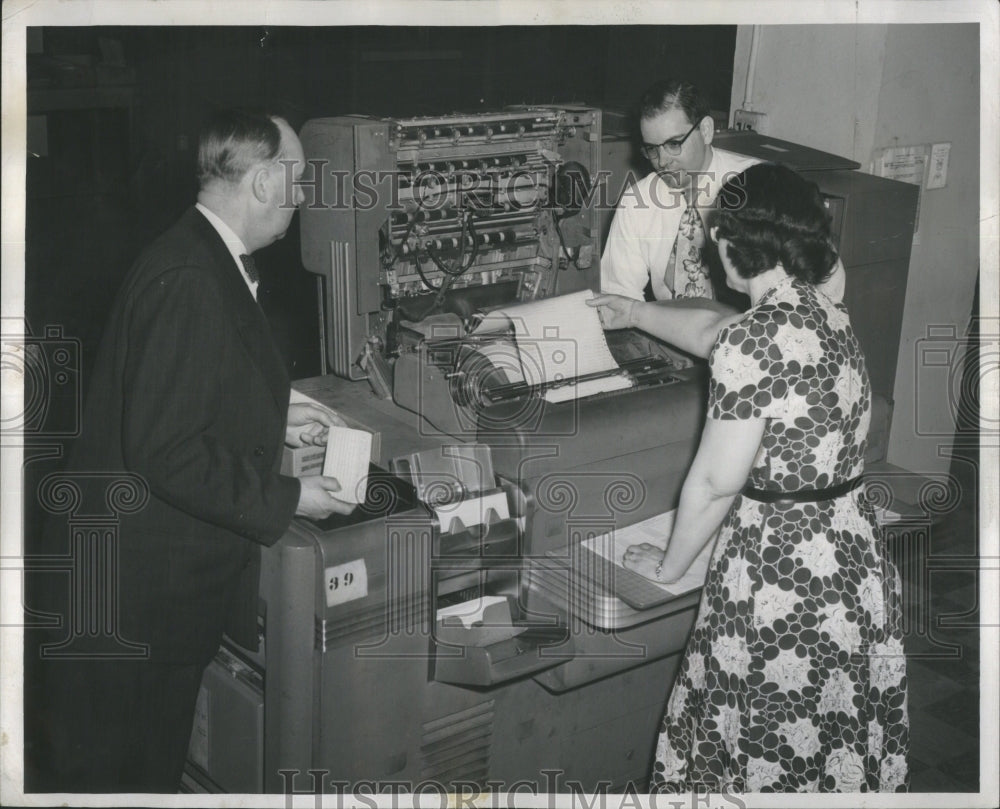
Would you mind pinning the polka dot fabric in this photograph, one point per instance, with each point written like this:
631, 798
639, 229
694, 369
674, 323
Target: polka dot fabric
794, 676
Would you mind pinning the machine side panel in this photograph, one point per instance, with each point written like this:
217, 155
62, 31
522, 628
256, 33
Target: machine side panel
879, 217
874, 242
345, 330
874, 298
286, 568
328, 223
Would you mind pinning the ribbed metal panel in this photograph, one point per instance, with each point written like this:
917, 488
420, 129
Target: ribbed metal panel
586, 601
457, 747
342, 299
374, 623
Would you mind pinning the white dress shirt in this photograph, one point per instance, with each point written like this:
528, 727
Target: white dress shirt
644, 229
233, 243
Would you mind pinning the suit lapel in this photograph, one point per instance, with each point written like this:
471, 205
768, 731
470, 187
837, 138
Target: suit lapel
251, 323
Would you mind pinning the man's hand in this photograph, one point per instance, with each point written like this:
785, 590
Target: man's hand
615, 311
309, 424
317, 498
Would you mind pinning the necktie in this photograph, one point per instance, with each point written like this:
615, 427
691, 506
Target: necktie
687, 273
250, 266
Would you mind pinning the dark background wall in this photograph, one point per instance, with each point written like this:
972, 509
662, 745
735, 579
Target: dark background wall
119, 111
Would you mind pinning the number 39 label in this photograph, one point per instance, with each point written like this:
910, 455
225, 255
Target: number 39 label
345, 582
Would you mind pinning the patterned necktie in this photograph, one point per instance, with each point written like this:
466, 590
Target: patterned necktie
687, 273
250, 266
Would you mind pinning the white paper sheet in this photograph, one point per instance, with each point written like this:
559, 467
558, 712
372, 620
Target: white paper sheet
348, 452
472, 612
558, 339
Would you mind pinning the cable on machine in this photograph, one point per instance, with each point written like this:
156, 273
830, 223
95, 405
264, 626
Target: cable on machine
571, 186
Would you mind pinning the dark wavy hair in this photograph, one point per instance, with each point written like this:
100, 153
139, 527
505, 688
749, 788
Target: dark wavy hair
770, 215
232, 141
670, 94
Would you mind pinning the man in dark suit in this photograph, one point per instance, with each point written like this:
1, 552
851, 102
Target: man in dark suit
190, 397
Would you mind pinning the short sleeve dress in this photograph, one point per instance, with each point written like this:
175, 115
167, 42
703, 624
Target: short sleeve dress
794, 677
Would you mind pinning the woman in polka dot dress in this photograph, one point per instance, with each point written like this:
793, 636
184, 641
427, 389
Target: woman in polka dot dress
794, 676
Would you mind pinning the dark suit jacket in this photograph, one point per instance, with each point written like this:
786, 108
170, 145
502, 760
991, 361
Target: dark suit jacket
189, 392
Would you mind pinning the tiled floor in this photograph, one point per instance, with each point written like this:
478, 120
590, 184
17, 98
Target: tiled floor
942, 644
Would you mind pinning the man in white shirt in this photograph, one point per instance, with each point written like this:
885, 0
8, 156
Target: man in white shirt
677, 133
657, 235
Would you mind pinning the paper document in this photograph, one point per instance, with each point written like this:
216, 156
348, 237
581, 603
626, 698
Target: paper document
656, 531
556, 340
348, 452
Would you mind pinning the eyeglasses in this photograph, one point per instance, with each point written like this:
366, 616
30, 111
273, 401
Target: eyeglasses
672, 146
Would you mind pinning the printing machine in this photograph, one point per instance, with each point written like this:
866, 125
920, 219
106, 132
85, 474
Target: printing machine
404, 649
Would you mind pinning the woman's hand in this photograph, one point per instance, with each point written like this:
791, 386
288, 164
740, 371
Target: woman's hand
644, 559
309, 424
615, 311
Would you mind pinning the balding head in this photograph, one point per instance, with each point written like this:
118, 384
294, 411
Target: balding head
247, 168
232, 142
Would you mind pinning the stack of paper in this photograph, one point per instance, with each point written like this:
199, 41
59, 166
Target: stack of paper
556, 340
348, 452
